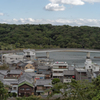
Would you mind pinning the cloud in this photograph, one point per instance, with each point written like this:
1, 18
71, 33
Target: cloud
72, 2
54, 7
54, 4
91, 1
74, 22
1, 14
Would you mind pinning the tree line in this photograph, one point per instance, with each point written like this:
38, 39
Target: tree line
48, 36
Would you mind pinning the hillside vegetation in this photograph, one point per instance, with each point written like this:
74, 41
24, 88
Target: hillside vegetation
48, 36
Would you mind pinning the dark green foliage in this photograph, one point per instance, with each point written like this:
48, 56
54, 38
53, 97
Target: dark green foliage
55, 80
10, 94
3, 92
14, 94
4, 67
77, 90
48, 36
30, 98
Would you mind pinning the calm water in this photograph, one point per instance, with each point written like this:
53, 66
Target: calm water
77, 58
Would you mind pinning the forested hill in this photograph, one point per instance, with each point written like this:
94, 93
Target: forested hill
48, 36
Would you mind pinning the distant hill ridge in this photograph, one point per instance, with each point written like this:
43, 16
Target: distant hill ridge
48, 36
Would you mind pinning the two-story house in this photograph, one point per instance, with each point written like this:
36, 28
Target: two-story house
25, 86
14, 73
42, 85
58, 69
26, 67
29, 54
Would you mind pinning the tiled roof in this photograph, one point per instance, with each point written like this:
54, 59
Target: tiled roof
43, 67
69, 72
23, 64
25, 77
15, 71
4, 72
44, 72
31, 73
25, 83
15, 61
80, 70
43, 82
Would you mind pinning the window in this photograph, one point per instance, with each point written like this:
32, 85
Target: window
64, 66
89, 66
60, 66
55, 72
40, 88
26, 67
27, 88
28, 53
11, 58
14, 88
30, 66
60, 72
22, 89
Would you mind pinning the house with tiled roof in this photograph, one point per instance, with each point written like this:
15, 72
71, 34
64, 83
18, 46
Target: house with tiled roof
25, 86
3, 73
14, 73
42, 85
25, 66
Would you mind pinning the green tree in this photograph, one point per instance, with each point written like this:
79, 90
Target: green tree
55, 80
33, 97
3, 92
4, 67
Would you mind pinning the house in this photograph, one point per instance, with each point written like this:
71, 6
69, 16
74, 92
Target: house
46, 73
12, 82
41, 85
25, 86
44, 61
43, 68
89, 71
81, 74
39, 76
68, 75
15, 63
29, 54
14, 73
3, 73
8, 58
58, 68
25, 66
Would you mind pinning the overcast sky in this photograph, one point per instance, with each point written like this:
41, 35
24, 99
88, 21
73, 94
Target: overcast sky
56, 12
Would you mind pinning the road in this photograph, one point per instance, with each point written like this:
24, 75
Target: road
67, 50
53, 50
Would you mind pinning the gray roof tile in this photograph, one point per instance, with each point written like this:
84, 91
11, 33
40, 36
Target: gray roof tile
69, 72
43, 82
15, 71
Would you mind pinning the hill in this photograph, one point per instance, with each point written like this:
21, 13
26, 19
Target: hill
48, 36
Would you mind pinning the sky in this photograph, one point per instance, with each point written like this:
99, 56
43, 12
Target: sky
55, 12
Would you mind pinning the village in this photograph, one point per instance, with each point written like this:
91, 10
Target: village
32, 75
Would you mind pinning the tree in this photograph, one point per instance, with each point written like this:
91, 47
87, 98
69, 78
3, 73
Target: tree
55, 80
76, 90
4, 67
3, 92
33, 97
